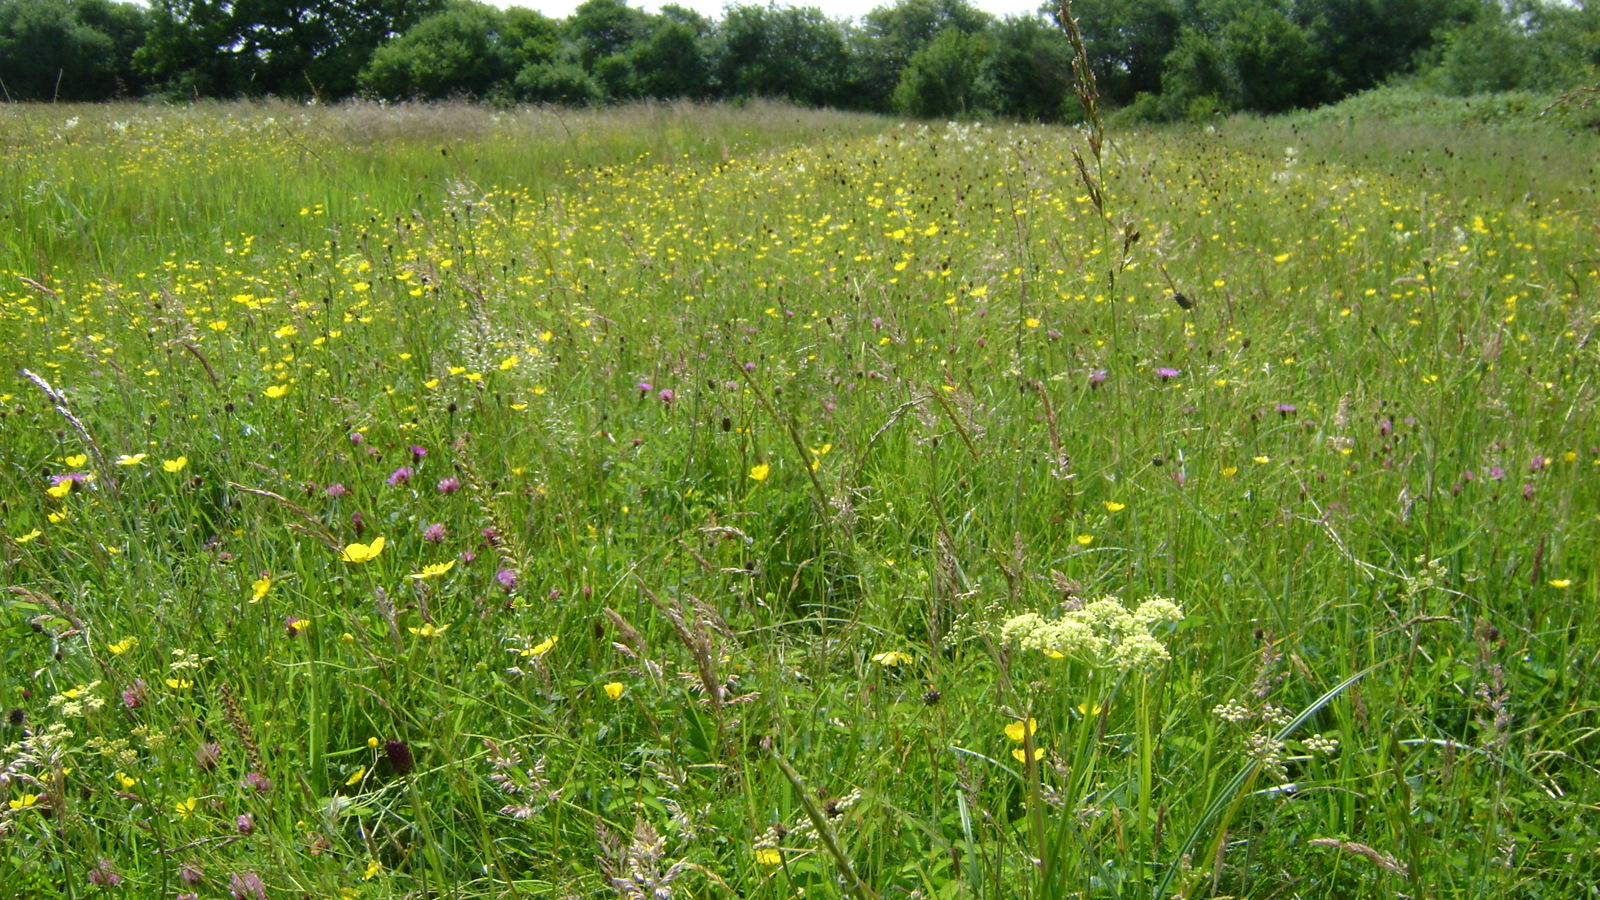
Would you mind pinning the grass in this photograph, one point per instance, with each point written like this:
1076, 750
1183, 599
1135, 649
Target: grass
750, 479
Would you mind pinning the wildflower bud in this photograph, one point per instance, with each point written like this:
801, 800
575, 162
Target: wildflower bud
358, 522
245, 823
400, 759
15, 717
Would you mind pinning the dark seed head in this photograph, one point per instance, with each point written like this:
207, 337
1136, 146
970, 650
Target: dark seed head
400, 758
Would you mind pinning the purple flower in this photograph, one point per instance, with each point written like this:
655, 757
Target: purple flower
190, 874
399, 757
749, 367
104, 875
257, 782
358, 522
293, 625
1468, 476
434, 533
644, 388
1386, 426
417, 453
1527, 491
134, 695
1098, 377
337, 490
246, 886
449, 485
507, 579
1537, 464
492, 536
206, 756
357, 438
245, 823
1167, 372
401, 475
1284, 409
1497, 474
667, 396
467, 556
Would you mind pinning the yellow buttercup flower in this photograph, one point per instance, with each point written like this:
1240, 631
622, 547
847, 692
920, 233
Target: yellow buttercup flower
24, 538
133, 460
23, 802
1020, 730
276, 391
125, 780
61, 489
614, 690
540, 649
1021, 756
75, 460
428, 630
123, 646
760, 472
186, 808
360, 553
356, 776
259, 588
1561, 583
892, 658
175, 465
1090, 709
1113, 506
768, 856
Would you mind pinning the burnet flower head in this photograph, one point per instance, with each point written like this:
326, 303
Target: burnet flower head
1102, 634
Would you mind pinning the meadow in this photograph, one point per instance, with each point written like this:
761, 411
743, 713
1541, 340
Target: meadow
435, 501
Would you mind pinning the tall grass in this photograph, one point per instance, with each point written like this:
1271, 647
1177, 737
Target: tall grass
748, 482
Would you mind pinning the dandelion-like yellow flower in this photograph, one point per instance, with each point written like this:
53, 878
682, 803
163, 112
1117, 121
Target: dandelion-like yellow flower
433, 570
360, 553
760, 472
539, 650
259, 588
614, 690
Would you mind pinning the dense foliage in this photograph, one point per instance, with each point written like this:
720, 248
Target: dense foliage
928, 58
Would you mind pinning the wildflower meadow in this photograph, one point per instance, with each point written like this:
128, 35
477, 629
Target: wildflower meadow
746, 501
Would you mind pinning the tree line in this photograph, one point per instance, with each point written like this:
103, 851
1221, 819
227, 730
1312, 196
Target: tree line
1157, 59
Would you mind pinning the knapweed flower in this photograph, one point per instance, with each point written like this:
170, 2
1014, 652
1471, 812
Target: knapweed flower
667, 396
433, 570
360, 553
357, 438
449, 485
1284, 409
134, 695
1098, 377
400, 476
1537, 464
417, 453
507, 580
1167, 372
1103, 633
245, 823
1497, 473
337, 490
892, 658
434, 533
760, 472
614, 690
257, 782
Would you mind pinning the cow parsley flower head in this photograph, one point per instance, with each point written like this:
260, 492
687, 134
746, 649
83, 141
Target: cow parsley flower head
1103, 634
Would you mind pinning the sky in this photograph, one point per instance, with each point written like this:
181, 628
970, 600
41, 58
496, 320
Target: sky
838, 9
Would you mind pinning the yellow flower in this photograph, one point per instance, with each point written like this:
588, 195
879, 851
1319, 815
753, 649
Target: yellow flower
1019, 729
1032, 323
1090, 709
276, 391
759, 473
1230, 471
56, 518
61, 489
1085, 540
259, 588
1262, 460
186, 808
356, 776
297, 624
614, 690
23, 802
23, 539
360, 553
892, 658
1021, 756
134, 460
1561, 583
179, 684
123, 646
373, 868
543, 647
372, 743
428, 630
768, 856
1113, 506
433, 570
75, 460
175, 465
509, 363
125, 780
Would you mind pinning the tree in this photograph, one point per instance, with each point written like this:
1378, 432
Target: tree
1028, 70
254, 47
1128, 43
891, 35
68, 49
941, 79
1361, 43
671, 62
794, 52
460, 51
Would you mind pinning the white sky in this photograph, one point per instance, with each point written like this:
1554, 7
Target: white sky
838, 9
